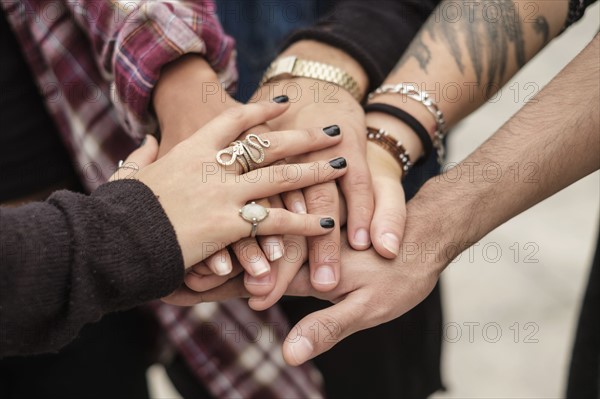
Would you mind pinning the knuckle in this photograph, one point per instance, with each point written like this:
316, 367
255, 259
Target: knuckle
359, 181
332, 327
278, 219
323, 197
362, 211
280, 174
292, 196
234, 113
393, 218
275, 140
312, 135
307, 224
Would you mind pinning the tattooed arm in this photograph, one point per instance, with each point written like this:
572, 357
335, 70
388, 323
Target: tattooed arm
464, 53
449, 215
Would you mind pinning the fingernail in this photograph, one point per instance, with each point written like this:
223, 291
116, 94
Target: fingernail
272, 248
264, 280
276, 253
143, 141
327, 223
324, 275
260, 267
281, 99
298, 207
222, 266
391, 243
332, 131
338, 163
361, 237
301, 350
257, 299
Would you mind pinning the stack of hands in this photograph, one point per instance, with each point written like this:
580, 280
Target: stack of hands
338, 227
338, 242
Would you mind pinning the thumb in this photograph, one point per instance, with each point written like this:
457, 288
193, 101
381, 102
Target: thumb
387, 226
138, 159
322, 330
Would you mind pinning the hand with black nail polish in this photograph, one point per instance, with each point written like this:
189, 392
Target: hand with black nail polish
339, 115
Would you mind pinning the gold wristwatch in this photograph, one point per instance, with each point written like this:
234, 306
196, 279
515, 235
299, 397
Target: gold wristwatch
293, 66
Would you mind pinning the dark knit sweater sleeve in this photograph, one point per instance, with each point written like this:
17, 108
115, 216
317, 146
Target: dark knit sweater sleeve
69, 260
373, 32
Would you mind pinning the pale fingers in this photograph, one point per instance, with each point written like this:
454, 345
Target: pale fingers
200, 282
219, 263
251, 257
294, 201
284, 271
272, 246
281, 221
185, 296
288, 143
272, 180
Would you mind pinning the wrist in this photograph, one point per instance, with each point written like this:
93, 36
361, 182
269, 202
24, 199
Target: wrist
414, 108
427, 241
304, 91
398, 130
187, 95
326, 54
442, 222
382, 164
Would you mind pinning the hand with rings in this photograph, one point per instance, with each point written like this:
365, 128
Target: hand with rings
210, 205
242, 152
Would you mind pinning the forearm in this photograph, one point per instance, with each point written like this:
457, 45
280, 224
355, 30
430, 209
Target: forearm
373, 33
466, 51
547, 146
69, 260
133, 42
363, 39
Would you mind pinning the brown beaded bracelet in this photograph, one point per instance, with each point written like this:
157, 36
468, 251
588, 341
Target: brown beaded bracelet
391, 145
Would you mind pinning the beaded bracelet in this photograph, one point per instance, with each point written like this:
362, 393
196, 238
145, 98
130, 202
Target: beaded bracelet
391, 145
407, 118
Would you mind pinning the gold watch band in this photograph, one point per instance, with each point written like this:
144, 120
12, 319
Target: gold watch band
293, 66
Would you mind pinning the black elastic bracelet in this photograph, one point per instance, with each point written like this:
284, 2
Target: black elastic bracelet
407, 118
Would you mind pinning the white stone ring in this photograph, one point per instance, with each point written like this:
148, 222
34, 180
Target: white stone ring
254, 214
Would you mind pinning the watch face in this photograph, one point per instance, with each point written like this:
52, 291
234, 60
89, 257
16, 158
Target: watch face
282, 66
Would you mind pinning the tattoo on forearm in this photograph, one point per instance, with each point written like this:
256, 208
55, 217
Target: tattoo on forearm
487, 33
420, 51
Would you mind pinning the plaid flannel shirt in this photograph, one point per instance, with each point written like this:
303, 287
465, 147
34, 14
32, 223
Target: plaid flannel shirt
96, 63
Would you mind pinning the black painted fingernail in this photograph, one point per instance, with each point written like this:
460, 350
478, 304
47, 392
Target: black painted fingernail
338, 163
281, 99
327, 223
333, 130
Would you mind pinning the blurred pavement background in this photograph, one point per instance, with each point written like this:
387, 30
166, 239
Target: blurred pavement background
526, 311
